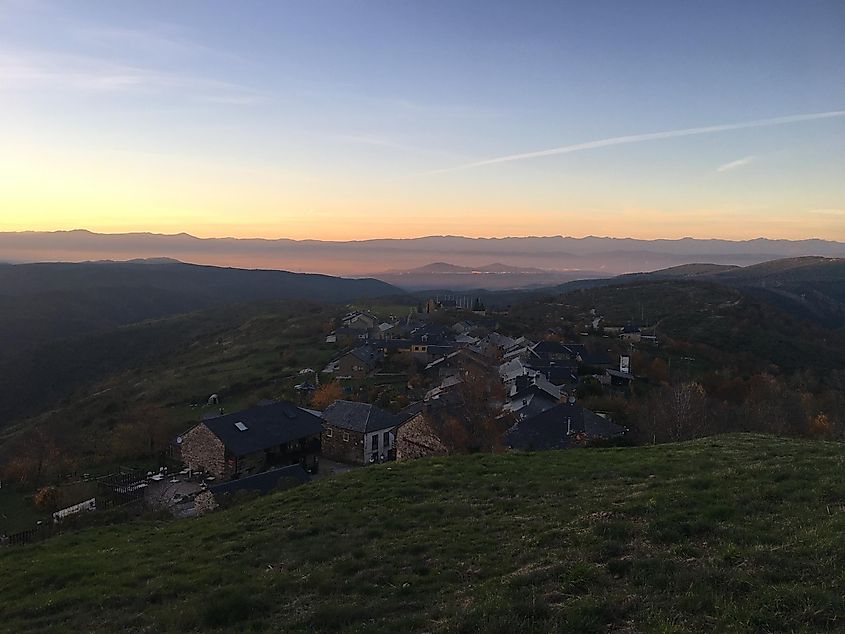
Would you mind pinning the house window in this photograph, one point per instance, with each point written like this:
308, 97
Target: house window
329, 433
374, 442
346, 436
386, 440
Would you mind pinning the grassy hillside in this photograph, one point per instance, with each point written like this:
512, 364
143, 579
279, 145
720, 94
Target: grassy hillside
737, 533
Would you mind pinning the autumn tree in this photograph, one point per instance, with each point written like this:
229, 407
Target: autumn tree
33, 454
326, 394
48, 498
471, 422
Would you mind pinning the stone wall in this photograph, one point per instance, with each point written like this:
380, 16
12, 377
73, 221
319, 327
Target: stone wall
416, 438
202, 450
335, 447
205, 503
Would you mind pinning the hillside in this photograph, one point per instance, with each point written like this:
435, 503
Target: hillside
810, 288
489, 277
731, 321
81, 388
40, 303
737, 533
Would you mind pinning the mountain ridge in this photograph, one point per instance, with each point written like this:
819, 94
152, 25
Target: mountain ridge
365, 257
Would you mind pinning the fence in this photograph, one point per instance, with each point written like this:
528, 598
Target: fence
115, 490
25, 537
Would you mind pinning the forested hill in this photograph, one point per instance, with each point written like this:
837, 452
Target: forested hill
810, 288
45, 302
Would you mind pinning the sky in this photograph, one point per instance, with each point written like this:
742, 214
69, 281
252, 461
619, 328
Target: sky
361, 119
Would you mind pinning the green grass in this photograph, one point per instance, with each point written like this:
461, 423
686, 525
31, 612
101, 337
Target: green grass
739, 533
17, 512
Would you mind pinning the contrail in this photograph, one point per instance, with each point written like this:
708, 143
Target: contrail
650, 136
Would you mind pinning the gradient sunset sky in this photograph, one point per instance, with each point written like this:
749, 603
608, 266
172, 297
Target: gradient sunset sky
348, 120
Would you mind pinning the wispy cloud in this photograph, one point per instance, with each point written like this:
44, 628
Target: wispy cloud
829, 212
24, 70
160, 41
639, 138
733, 165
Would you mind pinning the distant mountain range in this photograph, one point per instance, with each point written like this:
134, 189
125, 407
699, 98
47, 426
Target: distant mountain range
609, 255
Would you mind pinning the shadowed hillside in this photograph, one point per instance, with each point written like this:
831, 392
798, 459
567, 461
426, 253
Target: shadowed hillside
811, 288
40, 303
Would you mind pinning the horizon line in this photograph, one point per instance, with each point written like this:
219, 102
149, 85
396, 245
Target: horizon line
421, 237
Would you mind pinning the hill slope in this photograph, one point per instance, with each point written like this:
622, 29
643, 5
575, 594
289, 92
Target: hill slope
737, 533
811, 288
44, 302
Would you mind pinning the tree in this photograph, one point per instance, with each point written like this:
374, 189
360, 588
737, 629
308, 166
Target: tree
33, 454
48, 498
326, 394
143, 431
675, 413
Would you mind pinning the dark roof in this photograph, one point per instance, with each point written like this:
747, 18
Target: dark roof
440, 349
264, 482
558, 428
630, 328
266, 426
558, 373
358, 417
392, 344
409, 412
367, 354
596, 358
551, 347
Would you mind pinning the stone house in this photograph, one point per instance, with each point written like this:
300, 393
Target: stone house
416, 437
359, 320
357, 363
253, 440
358, 433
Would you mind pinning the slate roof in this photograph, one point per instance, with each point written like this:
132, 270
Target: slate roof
266, 426
265, 482
543, 348
358, 417
534, 384
409, 412
364, 353
559, 427
559, 373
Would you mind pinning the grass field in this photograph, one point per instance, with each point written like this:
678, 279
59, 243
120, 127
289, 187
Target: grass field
17, 512
739, 533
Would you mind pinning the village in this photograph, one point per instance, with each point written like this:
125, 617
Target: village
440, 380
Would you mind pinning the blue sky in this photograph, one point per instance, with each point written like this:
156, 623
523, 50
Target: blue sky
359, 119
